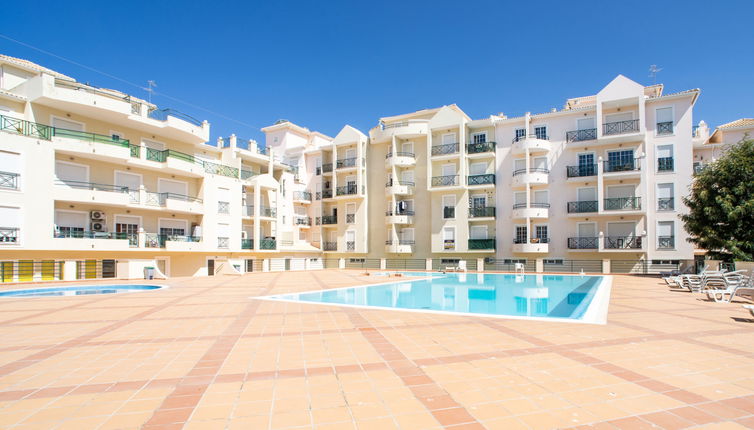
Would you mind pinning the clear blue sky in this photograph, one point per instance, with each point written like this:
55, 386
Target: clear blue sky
323, 64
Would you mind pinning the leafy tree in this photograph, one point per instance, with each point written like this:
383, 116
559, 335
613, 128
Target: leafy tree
721, 204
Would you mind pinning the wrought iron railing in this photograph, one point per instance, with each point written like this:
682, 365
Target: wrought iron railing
159, 199
485, 179
223, 207
446, 149
318, 195
531, 170
25, 128
583, 206
327, 194
665, 204
522, 240
267, 244
135, 151
247, 243
223, 242
9, 234
329, 219
581, 135
350, 218
93, 186
350, 246
302, 195
326, 168
531, 136
620, 127
9, 180
246, 174
90, 137
329, 246
475, 244
448, 212
220, 169
480, 147
401, 154
622, 242
531, 205
444, 181
665, 164
346, 190
267, 211
302, 220
622, 203
582, 170
621, 165
154, 240
345, 163
665, 242
583, 242
665, 127
163, 114
79, 234
482, 212
391, 183
400, 242
396, 212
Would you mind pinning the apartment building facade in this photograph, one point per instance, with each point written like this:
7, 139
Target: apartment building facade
94, 180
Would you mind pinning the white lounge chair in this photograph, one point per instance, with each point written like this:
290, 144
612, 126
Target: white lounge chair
733, 282
750, 308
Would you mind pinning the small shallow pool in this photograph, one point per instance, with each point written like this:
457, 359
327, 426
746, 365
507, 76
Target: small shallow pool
79, 290
571, 298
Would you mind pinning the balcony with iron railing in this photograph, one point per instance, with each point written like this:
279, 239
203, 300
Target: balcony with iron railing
396, 216
482, 212
348, 190
445, 181
583, 206
445, 149
612, 166
480, 148
327, 193
581, 135
350, 246
328, 219
620, 127
532, 175
267, 212
247, 243
399, 246
665, 204
531, 210
664, 128
531, 245
622, 242
622, 203
400, 159
9, 180
346, 163
583, 242
223, 242
9, 235
665, 242
302, 220
327, 168
350, 218
80, 234
481, 244
154, 240
581, 171
329, 246
665, 164
537, 142
268, 244
180, 202
302, 196
484, 179
399, 188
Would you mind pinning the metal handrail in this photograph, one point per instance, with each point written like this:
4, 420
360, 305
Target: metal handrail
666, 242
665, 127
482, 212
93, 186
622, 203
531, 136
9, 180
484, 179
583, 206
581, 135
9, 234
621, 166
400, 242
329, 219
665, 204
443, 181
401, 154
163, 114
581, 170
345, 162
583, 242
391, 183
531, 170
302, 195
620, 127
480, 147
445, 149
623, 242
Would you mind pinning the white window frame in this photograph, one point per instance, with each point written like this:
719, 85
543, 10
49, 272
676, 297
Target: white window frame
534, 230
478, 133
596, 230
186, 227
608, 115
70, 163
409, 144
480, 163
480, 227
596, 195
672, 116
657, 233
442, 169
128, 172
534, 193
534, 128
53, 117
185, 185
608, 187
442, 138
143, 143
528, 231
87, 219
482, 195
115, 220
350, 205
576, 121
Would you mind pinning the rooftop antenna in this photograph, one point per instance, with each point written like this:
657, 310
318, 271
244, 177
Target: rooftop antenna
653, 71
151, 85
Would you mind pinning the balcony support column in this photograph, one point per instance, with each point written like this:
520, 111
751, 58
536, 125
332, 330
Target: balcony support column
480, 264
383, 263
606, 266
257, 224
428, 264
600, 185
539, 265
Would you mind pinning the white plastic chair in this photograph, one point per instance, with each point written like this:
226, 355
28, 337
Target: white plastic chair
519, 268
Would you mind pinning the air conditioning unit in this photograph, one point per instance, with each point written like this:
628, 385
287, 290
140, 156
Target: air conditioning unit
97, 215
98, 226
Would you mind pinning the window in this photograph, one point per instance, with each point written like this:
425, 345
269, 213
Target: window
540, 233
479, 137
67, 124
478, 232
541, 132
665, 235
449, 238
514, 261
521, 234
449, 206
541, 198
479, 201
519, 199
585, 124
665, 158
664, 120
587, 165
553, 262
449, 138
520, 132
478, 169
665, 200
620, 161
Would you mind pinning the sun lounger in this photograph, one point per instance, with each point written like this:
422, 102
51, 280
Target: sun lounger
733, 282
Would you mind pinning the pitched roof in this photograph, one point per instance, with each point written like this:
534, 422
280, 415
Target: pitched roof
743, 122
26, 64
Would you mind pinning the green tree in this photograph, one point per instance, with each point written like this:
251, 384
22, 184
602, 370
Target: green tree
721, 205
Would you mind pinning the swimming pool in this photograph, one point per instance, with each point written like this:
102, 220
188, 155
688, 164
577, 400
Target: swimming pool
79, 290
571, 298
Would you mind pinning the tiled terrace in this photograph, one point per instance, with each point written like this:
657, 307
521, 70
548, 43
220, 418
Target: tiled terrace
203, 355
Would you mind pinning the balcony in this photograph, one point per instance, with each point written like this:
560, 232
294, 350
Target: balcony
177, 202
399, 188
303, 221
583, 242
665, 164
665, 204
88, 192
172, 242
481, 244
485, 179
444, 150
616, 166
533, 143
533, 210
302, 196
399, 246
328, 219
620, 127
400, 159
330, 246
8, 181
399, 217
534, 245
267, 212
583, 206
348, 190
664, 128
327, 168
405, 129
268, 244
346, 163
482, 212
622, 204
480, 148
327, 194
581, 135
581, 171
8, 235
622, 242
247, 243
666, 242
446, 181
532, 175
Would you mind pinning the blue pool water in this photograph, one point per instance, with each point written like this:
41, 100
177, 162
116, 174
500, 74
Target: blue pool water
540, 296
78, 290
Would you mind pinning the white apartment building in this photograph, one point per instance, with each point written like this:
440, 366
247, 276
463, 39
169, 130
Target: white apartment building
97, 183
